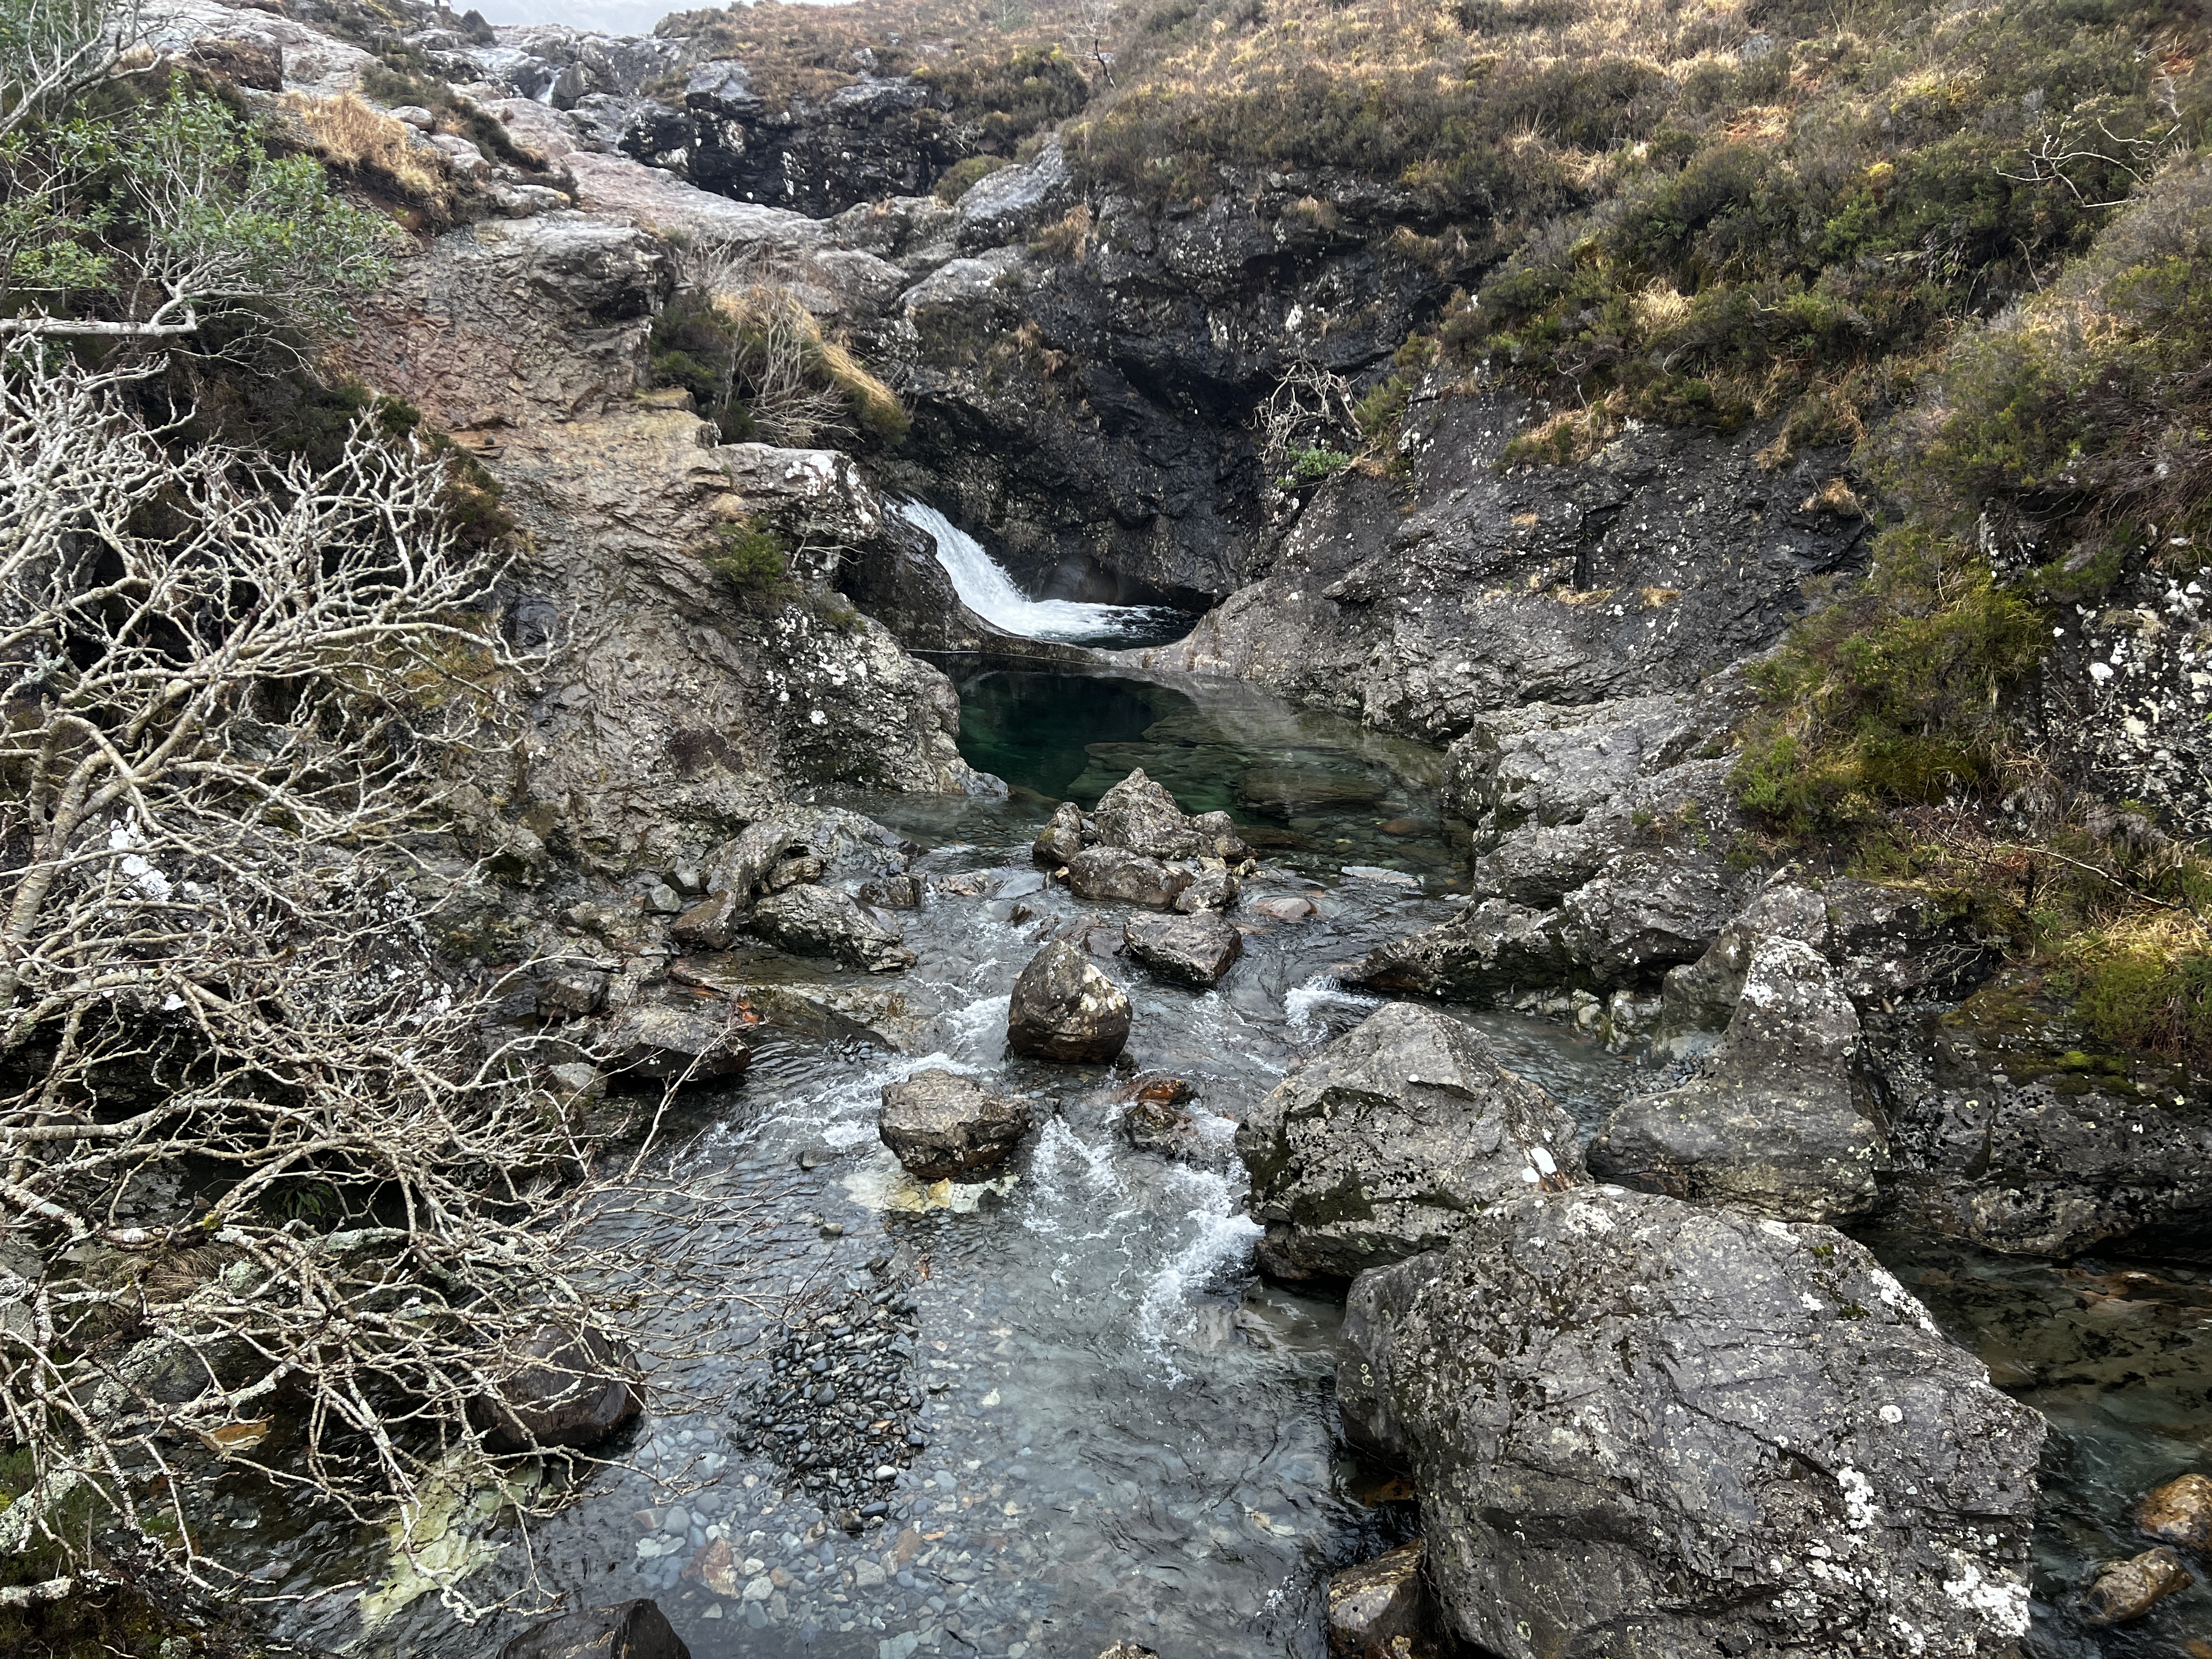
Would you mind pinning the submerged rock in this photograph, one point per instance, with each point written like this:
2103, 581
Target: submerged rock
2126, 1590
628, 1630
1639, 1426
1385, 1144
819, 922
2179, 1512
558, 1387
1113, 875
1189, 949
1779, 1121
1064, 1009
1379, 1609
942, 1125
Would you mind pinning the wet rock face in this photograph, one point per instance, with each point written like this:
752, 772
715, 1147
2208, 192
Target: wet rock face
559, 1386
809, 921
1060, 840
1386, 1143
1188, 950
1790, 1456
1064, 1009
943, 1126
1670, 554
2015, 1133
1779, 1121
628, 1630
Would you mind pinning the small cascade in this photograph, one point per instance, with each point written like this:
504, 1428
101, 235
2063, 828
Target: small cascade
986, 588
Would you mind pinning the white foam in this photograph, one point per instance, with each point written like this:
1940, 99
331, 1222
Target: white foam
986, 589
1300, 1002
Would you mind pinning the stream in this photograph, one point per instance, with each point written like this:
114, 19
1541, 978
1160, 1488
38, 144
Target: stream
1125, 1432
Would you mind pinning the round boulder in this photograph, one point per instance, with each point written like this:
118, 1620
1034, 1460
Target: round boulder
1064, 1009
944, 1127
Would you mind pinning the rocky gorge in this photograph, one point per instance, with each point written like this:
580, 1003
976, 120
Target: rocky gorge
1348, 1129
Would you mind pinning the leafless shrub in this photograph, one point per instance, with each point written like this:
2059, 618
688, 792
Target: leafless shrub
260, 1161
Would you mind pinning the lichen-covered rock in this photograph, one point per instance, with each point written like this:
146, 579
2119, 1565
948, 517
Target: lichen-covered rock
1211, 889
809, 921
1487, 950
1893, 945
1139, 816
1385, 1143
1064, 1009
1189, 949
1700, 997
1060, 840
1112, 875
1779, 1119
942, 1125
1642, 1426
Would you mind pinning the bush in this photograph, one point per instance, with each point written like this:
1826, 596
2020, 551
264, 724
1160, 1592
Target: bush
1312, 467
753, 561
963, 174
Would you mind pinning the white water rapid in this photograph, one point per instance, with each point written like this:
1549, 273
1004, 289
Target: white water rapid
986, 589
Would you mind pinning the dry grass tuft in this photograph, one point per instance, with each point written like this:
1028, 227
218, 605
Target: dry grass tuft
345, 133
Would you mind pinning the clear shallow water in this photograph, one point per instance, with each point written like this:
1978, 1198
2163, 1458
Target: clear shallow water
1129, 1434
986, 588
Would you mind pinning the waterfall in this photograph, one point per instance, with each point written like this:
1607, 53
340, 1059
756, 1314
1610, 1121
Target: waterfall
986, 589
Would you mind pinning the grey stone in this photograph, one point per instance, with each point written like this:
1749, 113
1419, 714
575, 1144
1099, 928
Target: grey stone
1064, 1009
696, 1040
1211, 889
1189, 949
1779, 1121
1139, 816
820, 921
1114, 875
1015, 203
1701, 996
1060, 840
569, 990
711, 924
942, 1126
1380, 1608
1639, 1426
558, 1386
1893, 943
1385, 1143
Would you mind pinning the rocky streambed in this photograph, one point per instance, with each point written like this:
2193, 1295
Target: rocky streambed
1058, 1406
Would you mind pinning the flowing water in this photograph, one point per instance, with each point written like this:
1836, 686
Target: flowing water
1126, 1434
987, 589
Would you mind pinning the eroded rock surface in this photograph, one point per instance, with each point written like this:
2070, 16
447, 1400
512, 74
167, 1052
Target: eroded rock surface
1384, 1144
1642, 1425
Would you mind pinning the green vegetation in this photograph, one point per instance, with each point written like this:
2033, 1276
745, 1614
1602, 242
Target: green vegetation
1310, 466
760, 367
961, 175
754, 561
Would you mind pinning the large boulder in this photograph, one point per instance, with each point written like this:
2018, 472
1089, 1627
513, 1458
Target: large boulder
1639, 1426
810, 920
1060, 840
628, 1630
1196, 949
1138, 816
944, 1127
1779, 1120
1114, 875
558, 1385
1386, 1143
1064, 1009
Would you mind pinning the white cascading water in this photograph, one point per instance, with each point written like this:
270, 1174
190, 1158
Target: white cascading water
986, 589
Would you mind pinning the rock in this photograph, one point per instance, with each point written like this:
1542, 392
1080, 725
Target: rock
1139, 816
696, 1041
1221, 829
946, 1127
1701, 996
628, 1630
1112, 875
1165, 1127
569, 990
1064, 1009
1189, 949
558, 1387
1485, 952
820, 921
1893, 945
1384, 1144
711, 924
2179, 1512
1128, 1651
1294, 908
1793, 1459
1210, 890
2126, 1590
1379, 1609
1015, 203
1060, 840
1779, 1121
2013, 1130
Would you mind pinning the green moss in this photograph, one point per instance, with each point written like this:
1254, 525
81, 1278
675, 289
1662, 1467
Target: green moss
754, 561
961, 175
